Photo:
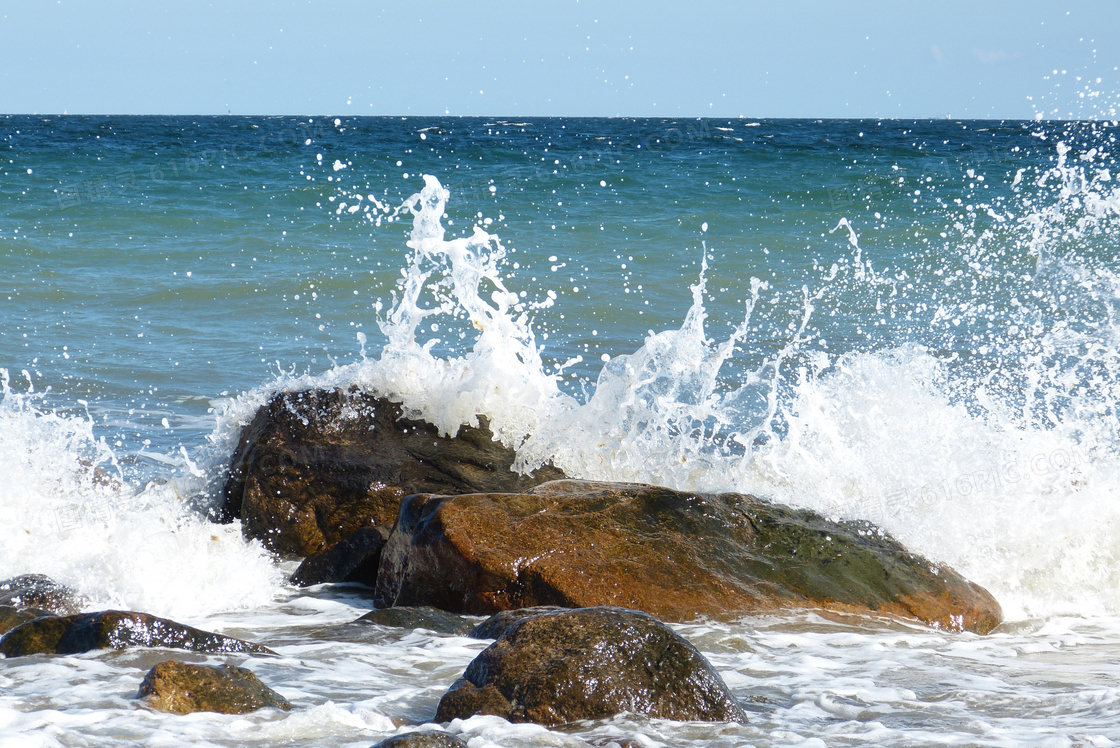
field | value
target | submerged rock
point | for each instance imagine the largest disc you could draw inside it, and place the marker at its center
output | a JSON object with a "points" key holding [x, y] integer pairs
{"points": [[315, 466], [115, 629], [423, 739], [560, 667], [355, 558], [676, 555], [182, 688], [433, 619], [39, 591]]}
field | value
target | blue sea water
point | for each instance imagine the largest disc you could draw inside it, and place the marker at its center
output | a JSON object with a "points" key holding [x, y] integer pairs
{"points": [[910, 322]]}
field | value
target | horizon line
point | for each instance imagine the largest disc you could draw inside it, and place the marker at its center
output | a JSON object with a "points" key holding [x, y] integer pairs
{"points": [[942, 118]]}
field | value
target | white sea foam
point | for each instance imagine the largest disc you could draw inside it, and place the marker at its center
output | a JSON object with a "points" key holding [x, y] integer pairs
{"points": [[67, 513], [802, 677], [500, 374]]}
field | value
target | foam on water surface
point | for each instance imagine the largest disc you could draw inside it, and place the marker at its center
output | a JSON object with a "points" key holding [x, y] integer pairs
{"points": [[803, 678]]}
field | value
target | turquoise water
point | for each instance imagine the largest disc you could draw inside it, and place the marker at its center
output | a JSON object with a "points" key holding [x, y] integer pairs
{"points": [[154, 263], [911, 322]]}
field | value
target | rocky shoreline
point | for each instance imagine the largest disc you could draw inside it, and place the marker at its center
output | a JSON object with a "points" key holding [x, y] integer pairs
{"points": [[576, 576]]}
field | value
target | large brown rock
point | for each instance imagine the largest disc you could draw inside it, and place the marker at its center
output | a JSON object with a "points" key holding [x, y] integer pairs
{"points": [[183, 688], [555, 668], [315, 466], [115, 629], [676, 555]]}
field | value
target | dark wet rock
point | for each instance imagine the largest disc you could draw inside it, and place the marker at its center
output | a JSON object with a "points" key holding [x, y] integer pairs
{"points": [[499, 623], [355, 558], [560, 667], [115, 629], [676, 555], [315, 466], [423, 739], [433, 619], [39, 591], [11, 616], [183, 688]]}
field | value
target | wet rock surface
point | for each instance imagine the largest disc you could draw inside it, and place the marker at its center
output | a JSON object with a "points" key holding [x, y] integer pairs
{"points": [[317, 465], [355, 559], [11, 616], [115, 629], [183, 688], [561, 667], [433, 619], [499, 623], [41, 592], [423, 739], [676, 555]]}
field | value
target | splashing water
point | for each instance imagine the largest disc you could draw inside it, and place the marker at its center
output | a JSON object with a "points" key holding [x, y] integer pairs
{"points": [[1001, 469], [67, 513], [502, 376]]}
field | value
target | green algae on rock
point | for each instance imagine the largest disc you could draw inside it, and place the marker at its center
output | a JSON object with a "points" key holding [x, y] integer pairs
{"points": [[11, 616]]}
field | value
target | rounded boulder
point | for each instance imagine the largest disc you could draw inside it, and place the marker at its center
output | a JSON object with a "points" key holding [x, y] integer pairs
{"points": [[183, 688], [592, 663]]}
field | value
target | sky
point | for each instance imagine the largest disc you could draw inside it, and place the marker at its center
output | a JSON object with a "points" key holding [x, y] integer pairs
{"points": [[796, 58]]}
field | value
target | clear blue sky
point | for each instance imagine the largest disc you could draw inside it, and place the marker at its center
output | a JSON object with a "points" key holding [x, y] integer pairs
{"points": [[864, 58]]}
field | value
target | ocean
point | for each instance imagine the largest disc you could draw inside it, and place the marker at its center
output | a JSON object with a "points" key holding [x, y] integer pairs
{"points": [[915, 323]]}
